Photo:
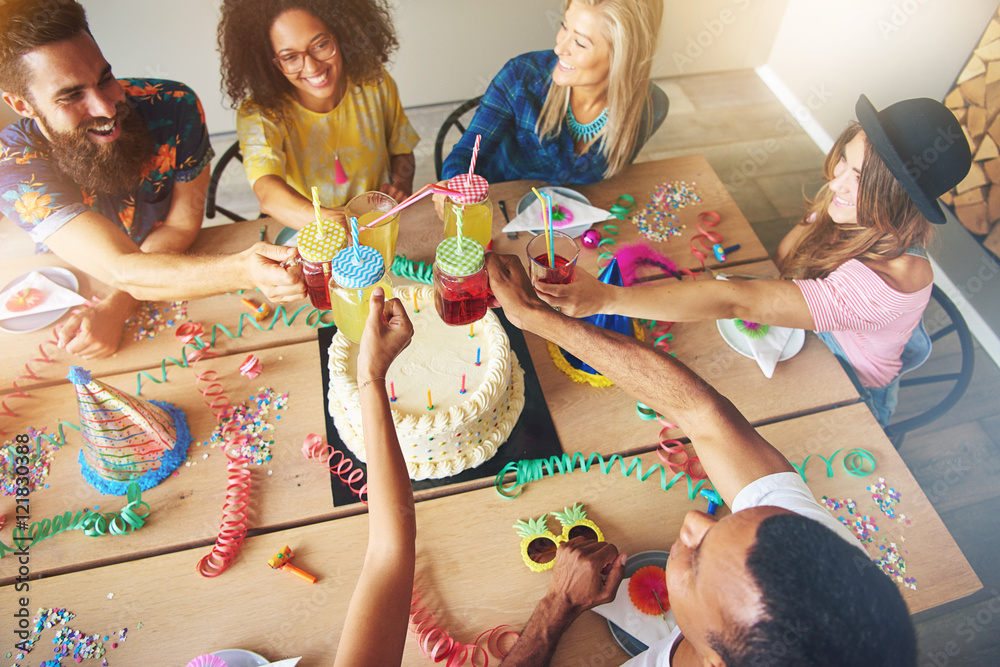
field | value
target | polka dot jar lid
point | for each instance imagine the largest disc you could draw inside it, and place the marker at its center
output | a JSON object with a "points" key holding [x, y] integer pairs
{"points": [[351, 272], [313, 248], [472, 190], [459, 261]]}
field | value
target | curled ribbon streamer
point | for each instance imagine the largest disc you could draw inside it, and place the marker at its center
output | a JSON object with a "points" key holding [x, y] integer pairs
{"points": [[706, 237], [668, 448], [234, 515], [132, 517], [530, 470], [420, 272], [236, 506], [435, 642], [316, 449], [191, 337], [29, 374]]}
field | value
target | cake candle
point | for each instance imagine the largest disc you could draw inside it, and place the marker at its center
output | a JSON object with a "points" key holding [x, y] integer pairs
{"points": [[472, 332], [478, 350], [415, 308], [462, 390], [392, 391], [430, 404]]}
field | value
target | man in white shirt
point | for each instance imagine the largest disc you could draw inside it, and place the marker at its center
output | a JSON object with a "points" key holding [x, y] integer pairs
{"points": [[778, 582]]}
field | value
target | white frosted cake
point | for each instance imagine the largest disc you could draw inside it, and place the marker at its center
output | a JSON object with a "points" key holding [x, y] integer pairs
{"points": [[463, 429]]}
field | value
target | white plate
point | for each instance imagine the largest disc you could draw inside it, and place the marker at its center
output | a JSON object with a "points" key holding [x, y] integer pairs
{"points": [[237, 657], [551, 189], [28, 323], [738, 341], [635, 562]]}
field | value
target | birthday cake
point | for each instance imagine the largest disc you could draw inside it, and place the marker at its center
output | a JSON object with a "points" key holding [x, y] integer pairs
{"points": [[449, 431]]}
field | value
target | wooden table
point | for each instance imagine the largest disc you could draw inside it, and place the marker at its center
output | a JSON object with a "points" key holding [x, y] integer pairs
{"points": [[469, 570], [809, 407]]}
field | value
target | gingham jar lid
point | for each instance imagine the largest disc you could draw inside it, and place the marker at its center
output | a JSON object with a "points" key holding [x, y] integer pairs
{"points": [[472, 191], [459, 262], [316, 249], [351, 273]]}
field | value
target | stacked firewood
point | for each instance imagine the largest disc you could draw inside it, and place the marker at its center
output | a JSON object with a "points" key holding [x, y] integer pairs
{"points": [[975, 100]]}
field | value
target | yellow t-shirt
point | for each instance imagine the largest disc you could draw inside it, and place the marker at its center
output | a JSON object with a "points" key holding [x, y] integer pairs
{"points": [[367, 127]]}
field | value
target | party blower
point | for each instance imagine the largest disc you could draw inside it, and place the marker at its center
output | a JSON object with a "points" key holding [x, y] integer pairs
{"points": [[283, 561]]}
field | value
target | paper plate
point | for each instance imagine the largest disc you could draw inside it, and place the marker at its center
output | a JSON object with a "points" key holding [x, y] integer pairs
{"points": [[286, 236], [27, 323], [738, 341], [635, 562], [551, 189], [237, 657]]}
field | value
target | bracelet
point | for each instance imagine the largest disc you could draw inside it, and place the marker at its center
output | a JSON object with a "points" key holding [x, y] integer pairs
{"points": [[360, 387]]}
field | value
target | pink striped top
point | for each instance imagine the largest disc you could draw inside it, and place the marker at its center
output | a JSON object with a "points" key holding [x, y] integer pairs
{"points": [[870, 320]]}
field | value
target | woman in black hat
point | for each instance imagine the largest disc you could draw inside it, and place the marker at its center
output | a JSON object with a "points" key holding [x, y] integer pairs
{"points": [[854, 269]]}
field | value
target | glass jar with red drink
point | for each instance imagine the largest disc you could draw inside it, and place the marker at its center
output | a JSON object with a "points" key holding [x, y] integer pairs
{"points": [[461, 284], [317, 243]]}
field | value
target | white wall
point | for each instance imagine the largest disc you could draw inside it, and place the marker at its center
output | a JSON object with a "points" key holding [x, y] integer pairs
{"points": [[830, 51], [716, 35], [449, 49]]}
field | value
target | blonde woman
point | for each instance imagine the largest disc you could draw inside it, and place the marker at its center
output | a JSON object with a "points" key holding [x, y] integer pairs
{"points": [[577, 114], [855, 270]]}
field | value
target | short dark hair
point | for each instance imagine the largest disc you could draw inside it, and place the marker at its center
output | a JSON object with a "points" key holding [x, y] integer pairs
{"points": [[824, 603], [28, 25], [363, 29]]}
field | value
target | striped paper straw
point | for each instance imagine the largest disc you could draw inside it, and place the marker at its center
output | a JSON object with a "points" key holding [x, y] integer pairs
{"points": [[458, 227], [354, 239], [548, 229], [475, 154]]}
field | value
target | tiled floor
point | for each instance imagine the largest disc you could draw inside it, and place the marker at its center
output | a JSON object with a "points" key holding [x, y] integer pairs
{"points": [[769, 164]]}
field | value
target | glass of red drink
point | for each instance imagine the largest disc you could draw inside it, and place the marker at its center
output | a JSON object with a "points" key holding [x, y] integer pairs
{"points": [[461, 284], [565, 253]]}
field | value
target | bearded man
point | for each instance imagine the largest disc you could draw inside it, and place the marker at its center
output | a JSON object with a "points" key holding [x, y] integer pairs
{"points": [[111, 175]]}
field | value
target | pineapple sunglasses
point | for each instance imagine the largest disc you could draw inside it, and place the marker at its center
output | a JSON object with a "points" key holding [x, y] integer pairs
{"points": [[539, 544]]}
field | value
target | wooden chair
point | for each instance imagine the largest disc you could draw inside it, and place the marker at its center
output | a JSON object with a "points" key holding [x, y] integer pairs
{"points": [[213, 184], [454, 119]]}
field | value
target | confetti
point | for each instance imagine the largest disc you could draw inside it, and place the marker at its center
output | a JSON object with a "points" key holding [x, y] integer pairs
{"points": [[39, 458], [252, 419], [658, 220], [152, 317]]}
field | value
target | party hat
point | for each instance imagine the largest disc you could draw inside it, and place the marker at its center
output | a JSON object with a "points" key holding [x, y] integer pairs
{"points": [[126, 439], [574, 367]]}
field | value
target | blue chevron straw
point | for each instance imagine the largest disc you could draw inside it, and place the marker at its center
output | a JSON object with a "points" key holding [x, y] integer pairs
{"points": [[458, 224], [354, 239]]}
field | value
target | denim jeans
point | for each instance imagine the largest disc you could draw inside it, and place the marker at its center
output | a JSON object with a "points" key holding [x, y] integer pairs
{"points": [[880, 400]]}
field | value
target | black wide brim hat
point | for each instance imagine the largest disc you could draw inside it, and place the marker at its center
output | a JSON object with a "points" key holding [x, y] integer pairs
{"points": [[922, 144]]}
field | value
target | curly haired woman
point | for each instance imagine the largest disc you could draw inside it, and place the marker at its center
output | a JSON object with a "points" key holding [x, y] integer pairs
{"points": [[313, 95]]}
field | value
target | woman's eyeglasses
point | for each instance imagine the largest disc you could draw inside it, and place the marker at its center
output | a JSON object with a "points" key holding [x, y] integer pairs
{"points": [[539, 544], [293, 62]]}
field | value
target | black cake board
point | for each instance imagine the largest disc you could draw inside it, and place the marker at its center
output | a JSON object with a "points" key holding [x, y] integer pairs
{"points": [[533, 436]]}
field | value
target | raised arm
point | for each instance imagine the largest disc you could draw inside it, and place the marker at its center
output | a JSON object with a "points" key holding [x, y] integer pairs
{"points": [[381, 599], [95, 245], [731, 451], [776, 302]]}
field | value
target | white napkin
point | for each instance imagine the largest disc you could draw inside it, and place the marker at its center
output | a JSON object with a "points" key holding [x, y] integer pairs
{"points": [[53, 297], [645, 628], [584, 215], [767, 350]]}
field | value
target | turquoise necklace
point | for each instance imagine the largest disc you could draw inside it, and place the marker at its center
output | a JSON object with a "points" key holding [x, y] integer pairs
{"points": [[586, 132]]}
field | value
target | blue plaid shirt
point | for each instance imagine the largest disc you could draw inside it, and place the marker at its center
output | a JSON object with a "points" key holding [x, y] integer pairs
{"points": [[510, 149]]}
